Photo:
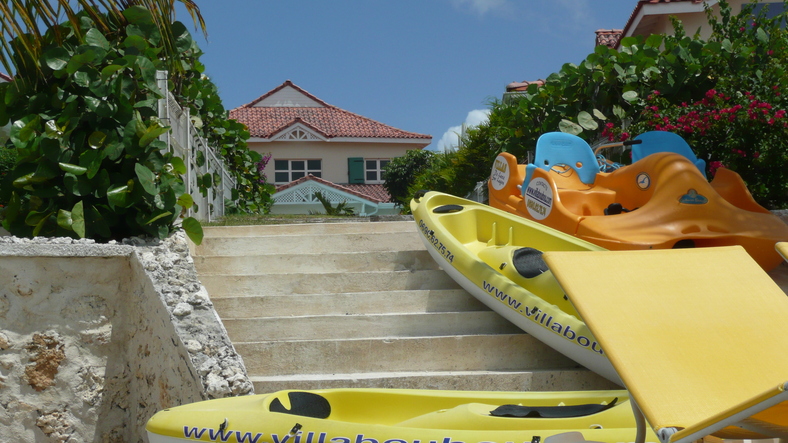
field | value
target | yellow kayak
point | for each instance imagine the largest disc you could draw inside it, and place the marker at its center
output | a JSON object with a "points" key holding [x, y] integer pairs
{"points": [[402, 416], [496, 257]]}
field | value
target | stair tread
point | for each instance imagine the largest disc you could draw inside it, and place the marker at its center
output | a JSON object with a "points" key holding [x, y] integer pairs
{"points": [[368, 375]]}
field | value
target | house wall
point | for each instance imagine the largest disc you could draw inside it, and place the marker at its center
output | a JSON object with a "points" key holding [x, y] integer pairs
{"points": [[694, 21], [333, 154]]}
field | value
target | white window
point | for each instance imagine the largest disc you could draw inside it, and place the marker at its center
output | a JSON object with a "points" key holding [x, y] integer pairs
{"points": [[373, 170], [286, 171]]}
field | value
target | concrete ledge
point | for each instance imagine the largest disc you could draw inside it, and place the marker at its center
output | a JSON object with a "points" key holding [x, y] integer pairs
{"points": [[96, 338]]}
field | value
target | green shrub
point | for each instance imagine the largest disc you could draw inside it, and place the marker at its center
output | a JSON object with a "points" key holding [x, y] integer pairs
{"points": [[85, 131], [401, 173]]}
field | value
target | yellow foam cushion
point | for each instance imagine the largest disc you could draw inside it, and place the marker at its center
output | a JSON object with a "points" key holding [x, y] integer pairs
{"points": [[691, 332]]}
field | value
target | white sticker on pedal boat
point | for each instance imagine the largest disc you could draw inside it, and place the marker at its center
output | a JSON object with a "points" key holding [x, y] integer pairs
{"points": [[500, 173], [539, 198]]}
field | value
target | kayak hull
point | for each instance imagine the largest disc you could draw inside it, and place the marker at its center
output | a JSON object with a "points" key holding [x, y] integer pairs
{"points": [[477, 246], [400, 416]]}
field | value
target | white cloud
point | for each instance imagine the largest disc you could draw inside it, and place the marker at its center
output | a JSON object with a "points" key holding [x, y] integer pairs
{"points": [[482, 6], [576, 11], [451, 138]]}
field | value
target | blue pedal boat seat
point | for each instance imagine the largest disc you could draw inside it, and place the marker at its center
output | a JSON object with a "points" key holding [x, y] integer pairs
{"points": [[663, 141], [563, 149]]}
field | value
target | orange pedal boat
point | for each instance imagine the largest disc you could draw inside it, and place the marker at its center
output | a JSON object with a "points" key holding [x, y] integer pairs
{"points": [[661, 201]]}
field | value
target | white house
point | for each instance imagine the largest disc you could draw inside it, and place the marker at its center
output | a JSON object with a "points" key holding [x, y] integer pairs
{"points": [[315, 146]]}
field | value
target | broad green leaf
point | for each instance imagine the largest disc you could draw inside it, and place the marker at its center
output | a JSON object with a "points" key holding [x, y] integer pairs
{"points": [[654, 40], [40, 225], [630, 96], [135, 41], [57, 58], [598, 114], [186, 201], [96, 139], [78, 219], [33, 218], [119, 196], [81, 78], [152, 133], [91, 159], [138, 15], [94, 37], [51, 129], [147, 178], [587, 121], [64, 220], [619, 112], [183, 39], [207, 180], [570, 127], [23, 130], [193, 229], [84, 56], [762, 36], [178, 165], [108, 71], [73, 169]]}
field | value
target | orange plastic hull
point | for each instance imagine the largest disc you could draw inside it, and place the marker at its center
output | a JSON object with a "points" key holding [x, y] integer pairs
{"points": [[670, 202]]}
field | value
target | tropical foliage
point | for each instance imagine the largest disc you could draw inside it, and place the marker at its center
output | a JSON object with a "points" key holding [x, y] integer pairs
{"points": [[83, 103], [85, 130], [342, 208], [611, 94], [401, 173]]}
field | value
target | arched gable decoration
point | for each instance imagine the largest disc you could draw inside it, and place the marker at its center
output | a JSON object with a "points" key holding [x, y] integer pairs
{"points": [[299, 197]]}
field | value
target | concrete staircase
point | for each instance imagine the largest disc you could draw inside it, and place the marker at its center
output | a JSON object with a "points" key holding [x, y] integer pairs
{"points": [[362, 304]]}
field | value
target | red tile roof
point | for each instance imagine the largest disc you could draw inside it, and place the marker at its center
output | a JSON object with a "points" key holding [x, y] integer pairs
{"points": [[608, 37], [327, 120], [5, 77], [372, 193], [522, 86]]}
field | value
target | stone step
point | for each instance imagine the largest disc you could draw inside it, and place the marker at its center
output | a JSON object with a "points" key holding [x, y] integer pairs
{"points": [[431, 300], [517, 381], [310, 228], [481, 352], [313, 263], [309, 243], [368, 326], [298, 283]]}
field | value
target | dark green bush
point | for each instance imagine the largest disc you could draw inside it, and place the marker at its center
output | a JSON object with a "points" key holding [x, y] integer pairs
{"points": [[85, 131]]}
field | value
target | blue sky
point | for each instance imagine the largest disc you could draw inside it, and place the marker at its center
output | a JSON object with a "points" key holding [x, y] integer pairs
{"points": [[419, 65]]}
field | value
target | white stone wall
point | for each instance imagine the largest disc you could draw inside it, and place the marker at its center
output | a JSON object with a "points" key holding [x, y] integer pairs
{"points": [[94, 339]]}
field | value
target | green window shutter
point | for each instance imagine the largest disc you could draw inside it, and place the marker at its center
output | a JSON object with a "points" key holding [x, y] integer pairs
{"points": [[355, 170]]}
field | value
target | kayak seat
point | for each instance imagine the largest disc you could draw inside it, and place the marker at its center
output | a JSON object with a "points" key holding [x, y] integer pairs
{"points": [[447, 209], [528, 262], [520, 411], [306, 404]]}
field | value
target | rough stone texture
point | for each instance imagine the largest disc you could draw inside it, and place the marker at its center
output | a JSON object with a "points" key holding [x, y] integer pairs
{"points": [[94, 339]]}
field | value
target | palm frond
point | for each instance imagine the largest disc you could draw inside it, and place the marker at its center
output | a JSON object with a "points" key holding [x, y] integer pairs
{"points": [[24, 23]]}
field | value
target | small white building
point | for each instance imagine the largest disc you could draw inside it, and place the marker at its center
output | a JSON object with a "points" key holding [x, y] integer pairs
{"points": [[315, 146]]}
